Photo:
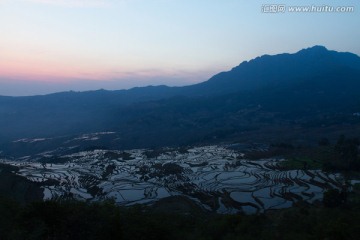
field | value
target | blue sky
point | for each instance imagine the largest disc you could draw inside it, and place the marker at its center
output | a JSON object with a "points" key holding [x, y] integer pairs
{"points": [[58, 45]]}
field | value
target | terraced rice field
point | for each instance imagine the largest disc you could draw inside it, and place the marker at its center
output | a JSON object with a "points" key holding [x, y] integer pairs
{"points": [[214, 177]]}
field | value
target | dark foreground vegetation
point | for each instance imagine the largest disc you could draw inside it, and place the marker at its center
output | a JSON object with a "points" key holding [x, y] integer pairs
{"points": [[80, 220], [343, 155]]}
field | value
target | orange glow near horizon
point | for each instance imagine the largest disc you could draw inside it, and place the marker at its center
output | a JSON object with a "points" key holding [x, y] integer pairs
{"points": [[45, 72], [40, 71], [135, 43], [28, 65]]}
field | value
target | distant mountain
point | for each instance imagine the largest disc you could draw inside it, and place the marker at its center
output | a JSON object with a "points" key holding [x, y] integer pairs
{"points": [[278, 70], [301, 96], [264, 71]]}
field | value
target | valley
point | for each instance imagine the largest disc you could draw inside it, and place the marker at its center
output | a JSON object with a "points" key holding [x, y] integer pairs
{"points": [[145, 145]]}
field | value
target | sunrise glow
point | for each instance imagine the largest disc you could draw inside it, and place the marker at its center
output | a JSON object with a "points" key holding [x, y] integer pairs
{"points": [[140, 42]]}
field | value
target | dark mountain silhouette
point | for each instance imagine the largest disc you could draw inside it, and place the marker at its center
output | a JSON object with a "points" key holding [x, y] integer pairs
{"points": [[279, 70], [300, 96]]}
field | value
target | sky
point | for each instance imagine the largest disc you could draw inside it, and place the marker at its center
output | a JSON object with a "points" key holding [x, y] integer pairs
{"points": [[61, 45]]}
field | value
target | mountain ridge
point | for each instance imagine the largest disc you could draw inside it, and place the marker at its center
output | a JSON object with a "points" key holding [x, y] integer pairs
{"points": [[264, 69], [305, 95], [166, 91]]}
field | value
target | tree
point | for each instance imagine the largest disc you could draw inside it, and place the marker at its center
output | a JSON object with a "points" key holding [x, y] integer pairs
{"points": [[346, 155]]}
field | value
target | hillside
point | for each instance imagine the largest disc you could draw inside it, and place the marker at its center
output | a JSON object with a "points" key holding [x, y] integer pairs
{"points": [[298, 97]]}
